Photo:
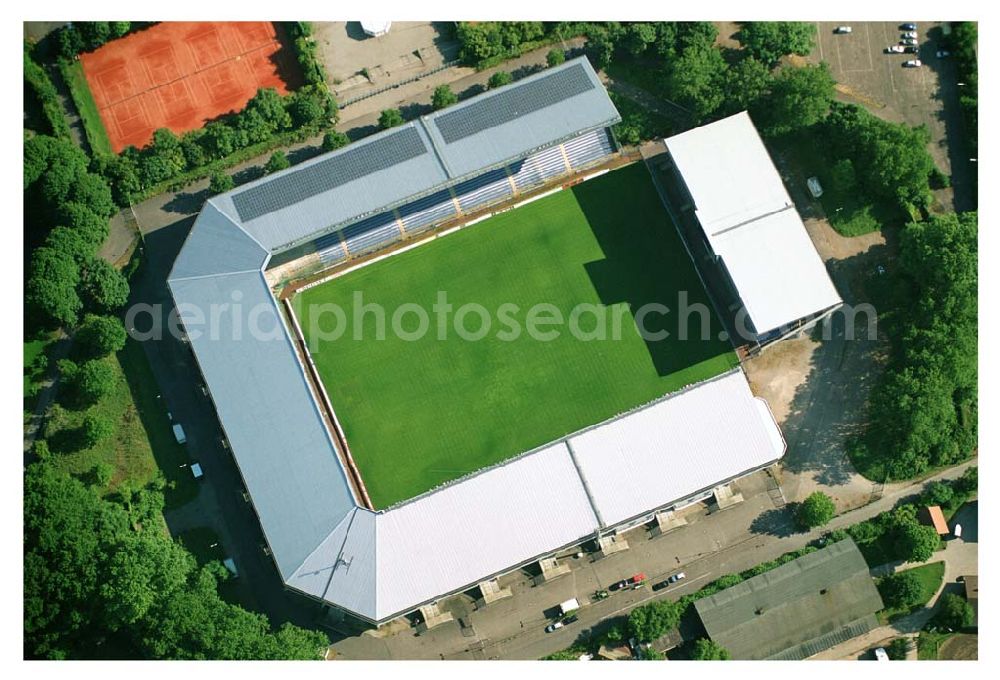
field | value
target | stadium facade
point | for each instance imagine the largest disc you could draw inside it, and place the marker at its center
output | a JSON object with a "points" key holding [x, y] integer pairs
{"points": [[327, 543]]}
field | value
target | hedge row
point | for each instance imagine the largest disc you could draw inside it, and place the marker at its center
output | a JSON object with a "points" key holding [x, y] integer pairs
{"points": [[86, 36], [268, 121], [305, 52], [41, 85]]}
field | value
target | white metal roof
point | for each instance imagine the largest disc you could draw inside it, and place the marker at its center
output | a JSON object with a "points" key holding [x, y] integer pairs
{"points": [[751, 223], [382, 564], [677, 447]]}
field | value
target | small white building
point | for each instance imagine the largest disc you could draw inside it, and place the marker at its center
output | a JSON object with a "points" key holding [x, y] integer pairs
{"points": [[376, 29]]}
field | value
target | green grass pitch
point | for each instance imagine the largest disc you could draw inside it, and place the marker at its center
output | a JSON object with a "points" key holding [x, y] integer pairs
{"points": [[418, 413]]}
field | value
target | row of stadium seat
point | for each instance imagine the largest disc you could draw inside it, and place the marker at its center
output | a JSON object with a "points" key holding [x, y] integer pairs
{"points": [[383, 229]]}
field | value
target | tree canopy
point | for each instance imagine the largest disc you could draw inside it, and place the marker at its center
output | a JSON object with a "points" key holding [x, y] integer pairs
{"points": [[815, 511], [769, 41], [390, 118], [705, 649], [900, 590], [649, 621], [443, 97], [101, 582], [954, 612]]}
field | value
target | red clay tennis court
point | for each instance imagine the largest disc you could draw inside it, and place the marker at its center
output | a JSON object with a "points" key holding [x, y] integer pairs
{"points": [[180, 75]]}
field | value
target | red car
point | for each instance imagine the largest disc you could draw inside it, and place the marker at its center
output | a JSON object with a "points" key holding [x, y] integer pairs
{"points": [[631, 582]]}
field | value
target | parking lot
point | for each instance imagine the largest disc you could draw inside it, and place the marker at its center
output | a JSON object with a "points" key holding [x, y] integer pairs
{"points": [[927, 95]]}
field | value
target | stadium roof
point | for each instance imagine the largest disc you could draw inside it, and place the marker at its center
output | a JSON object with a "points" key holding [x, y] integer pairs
{"points": [[465, 532], [389, 168], [381, 564], [751, 223], [796, 610]]}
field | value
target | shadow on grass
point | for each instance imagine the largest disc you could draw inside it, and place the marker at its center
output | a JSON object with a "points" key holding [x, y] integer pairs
{"points": [[169, 455], [646, 264]]}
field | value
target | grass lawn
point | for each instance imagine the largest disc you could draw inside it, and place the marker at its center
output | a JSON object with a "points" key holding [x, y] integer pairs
{"points": [[76, 81], [142, 444], [418, 413], [930, 576], [32, 350]]}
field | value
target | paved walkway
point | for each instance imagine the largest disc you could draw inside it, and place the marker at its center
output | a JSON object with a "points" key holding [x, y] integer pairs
{"points": [[47, 392]]}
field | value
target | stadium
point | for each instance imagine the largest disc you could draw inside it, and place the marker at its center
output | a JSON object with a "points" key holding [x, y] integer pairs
{"points": [[387, 475]]}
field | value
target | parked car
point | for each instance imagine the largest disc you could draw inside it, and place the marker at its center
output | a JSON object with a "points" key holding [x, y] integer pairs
{"points": [[179, 433], [894, 49], [841, 30], [601, 594], [881, 654], [570, 605], [197, 471], [941, 54], [669, 581], [912, 63], [907, 27], [631, 581], [911, 49], [556, 625], [910, 34], [230, 565], [908, 41], [815, 188]]}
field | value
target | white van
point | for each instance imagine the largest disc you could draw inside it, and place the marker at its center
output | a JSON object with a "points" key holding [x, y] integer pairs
{"points": [[179, 433], [569, 606]]}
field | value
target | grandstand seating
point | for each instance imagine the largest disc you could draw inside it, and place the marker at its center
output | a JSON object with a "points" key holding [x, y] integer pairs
{"points": [[489, 188], [330, 249], [539, 167], [382, 229], [427, 211], [588, 148], [371, 233]]}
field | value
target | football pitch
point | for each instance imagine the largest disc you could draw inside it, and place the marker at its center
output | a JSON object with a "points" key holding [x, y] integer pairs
{"points": [[422, 409]]}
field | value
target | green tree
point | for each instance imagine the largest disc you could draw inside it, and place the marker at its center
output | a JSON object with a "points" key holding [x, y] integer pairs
{"points": [[600, 47], [443, 97], [697, 80], [916, 542], [900, 590], [276, 163], [771, 40], [650, 654], [103, 473], [746, 83], [99, 336], [306, 110], [639, 36], [650, 621], [333, 140], [555, 57], [499, 79], [104, 289], [50, 293], [815, 511], [968, 483], [937, 493], [799, 97], [700, 34], [92, 381], [269, 105], [220, 182], [709, 650], [95, 429], [954, 612], [897, 649], [390, 118]]}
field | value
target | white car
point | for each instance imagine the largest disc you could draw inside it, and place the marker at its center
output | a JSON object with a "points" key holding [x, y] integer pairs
{"points": [[815, 188], [910, 34], [881, 654], [912, 63], [894, 49], [842, 29], [908, 41]]}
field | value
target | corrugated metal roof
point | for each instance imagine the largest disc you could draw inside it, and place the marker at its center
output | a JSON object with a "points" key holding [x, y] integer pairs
{"points": [[265, 406], [483, 525], [501, 125], [392, 167], [676, 447], [791, 608], [751, 223], [215, 244]]}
